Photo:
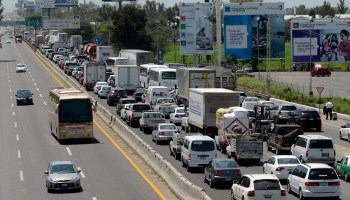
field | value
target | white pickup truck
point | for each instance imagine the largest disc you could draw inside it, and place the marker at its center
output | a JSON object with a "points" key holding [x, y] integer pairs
{"points": [[149, 120], [133, 114], [165, 106]]}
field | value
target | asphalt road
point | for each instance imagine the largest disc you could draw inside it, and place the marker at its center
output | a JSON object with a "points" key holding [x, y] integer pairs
{"points": [[26, 146], [330, 129]]}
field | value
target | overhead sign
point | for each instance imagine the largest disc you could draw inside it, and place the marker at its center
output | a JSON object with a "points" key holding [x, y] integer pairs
{"points": [[29, 4], [12, 23], [33, 22], [329, 40], [47, 4], [66, 3], [61, 23], [245, 30], [196, 28]]}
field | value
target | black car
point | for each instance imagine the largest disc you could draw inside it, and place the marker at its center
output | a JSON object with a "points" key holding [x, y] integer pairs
{"points": [[121, 103], [24, 97], [138, 94], [308, 119], [115, 95], [222, 171]]}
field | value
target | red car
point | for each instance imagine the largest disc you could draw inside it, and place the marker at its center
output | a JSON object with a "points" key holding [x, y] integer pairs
{"points": [[320, 72]]}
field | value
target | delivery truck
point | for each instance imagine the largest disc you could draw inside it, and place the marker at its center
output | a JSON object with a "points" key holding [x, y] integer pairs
{"points": [[127, 77], [137, 56], [203, 104], [93, 72], [103, 53]]}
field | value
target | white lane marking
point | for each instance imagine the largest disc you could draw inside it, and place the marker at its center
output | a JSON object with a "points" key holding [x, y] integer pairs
{"points": [[35, 84], [21, 175], [68, 150], [17, 137], [9, 81], [32, 79], [15, 124], [8, 77], [330, 124], [45, 103], [41, 95], [29, 72], [81, 173], [94, 198], [19, 153], [30, 76], [12, 104], [37, 89], [11, 97], [10, 85], [13, 113], [10, 90]]}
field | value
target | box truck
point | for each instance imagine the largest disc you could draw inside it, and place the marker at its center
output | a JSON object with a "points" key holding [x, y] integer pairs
{"points": [[93, 72], [103, 53], [127, 77], [137, 57]]}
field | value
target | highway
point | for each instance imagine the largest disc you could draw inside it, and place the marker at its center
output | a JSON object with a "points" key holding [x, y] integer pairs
{"points": [[100, 162], [27, 147]]}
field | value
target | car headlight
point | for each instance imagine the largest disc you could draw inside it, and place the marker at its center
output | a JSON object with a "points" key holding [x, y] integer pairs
{"points": [[30, 97], [51, 179], [76, 178]]}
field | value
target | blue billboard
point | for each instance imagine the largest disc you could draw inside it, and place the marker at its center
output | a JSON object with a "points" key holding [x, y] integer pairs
{"points": [[250, 27]]}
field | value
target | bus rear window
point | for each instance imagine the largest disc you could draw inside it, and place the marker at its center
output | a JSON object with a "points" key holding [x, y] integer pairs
{"points": [[75, 111]]}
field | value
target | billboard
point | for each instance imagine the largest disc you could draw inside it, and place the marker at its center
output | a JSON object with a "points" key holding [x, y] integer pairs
{"points": [[196, 28], [66, 3], [47, 4], [329, 39], [245, 29], [61, 23]]}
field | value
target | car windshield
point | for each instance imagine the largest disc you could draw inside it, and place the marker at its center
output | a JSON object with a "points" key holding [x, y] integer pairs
{"points": [[251, 99], [288, 108], [310, 114], [222, 164], [24, 93], [180, 110], [286, 130], [20, 65], [321, 144], [167, 127], [203, 146], [266, 184], [152, 115], [128, 101], [321, 174], [75, 110], [141, 107], [284, 161], [62, 169]]}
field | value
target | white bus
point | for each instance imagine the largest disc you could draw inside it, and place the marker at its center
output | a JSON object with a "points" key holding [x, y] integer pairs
{"points": [[70, 114], [144, 73], [162, 77]]}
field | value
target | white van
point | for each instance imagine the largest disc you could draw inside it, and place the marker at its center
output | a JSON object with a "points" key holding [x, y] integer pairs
{"points": [[155, 92], [197, 151]]}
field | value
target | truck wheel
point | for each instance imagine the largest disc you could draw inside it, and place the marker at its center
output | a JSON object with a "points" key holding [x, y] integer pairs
{"points": [[187, 129], [177, 156]]}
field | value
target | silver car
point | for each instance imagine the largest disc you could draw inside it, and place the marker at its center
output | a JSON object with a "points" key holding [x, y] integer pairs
{"points": [[104, 91], [62, 175], [176, 116], [163, 132], [21, 67], [98, 86]]}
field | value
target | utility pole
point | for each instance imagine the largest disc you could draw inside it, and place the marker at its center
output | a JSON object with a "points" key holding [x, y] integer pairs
{"points": [[268, 48]]}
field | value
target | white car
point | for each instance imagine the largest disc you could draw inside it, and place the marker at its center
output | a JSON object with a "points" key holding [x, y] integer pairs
{"points": [[249, 102], [280, 165], [258, 186], [104, 91], [56, 58], [176, 116], [21, 67], [314, 180], [98, 86], [123, 111], [344, 133]]}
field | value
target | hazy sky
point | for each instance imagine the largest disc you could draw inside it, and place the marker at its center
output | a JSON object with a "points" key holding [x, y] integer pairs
{"points": [[10, 4]]}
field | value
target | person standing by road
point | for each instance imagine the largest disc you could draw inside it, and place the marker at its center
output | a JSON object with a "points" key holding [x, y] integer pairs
{"points": [[329, 108]]}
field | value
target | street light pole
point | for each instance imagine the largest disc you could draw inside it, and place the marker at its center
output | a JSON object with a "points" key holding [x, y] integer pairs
{"points": [[310, 65], [258, 42]]}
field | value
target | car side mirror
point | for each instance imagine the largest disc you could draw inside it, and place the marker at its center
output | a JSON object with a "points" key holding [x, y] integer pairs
{"points": [[338, 162], [342, 126], [79, 170], [289, 172], [15, 94], [46, 172], [265, 161]]}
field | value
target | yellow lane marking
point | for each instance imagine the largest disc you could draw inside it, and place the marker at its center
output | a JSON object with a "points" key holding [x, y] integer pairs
{"points": [[131, 161], [155, 189]]}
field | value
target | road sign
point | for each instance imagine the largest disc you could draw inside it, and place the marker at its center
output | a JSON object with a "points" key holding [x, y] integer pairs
{"points": [[99, 40], [47, 4], [230, 127], [66, 3], [160, 57], [61, 23], [319, 89], [12, 23], [33, 22]]}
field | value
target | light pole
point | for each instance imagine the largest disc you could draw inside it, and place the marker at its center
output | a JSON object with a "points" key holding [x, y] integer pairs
{"points": [[310, 65], [258, 43]]}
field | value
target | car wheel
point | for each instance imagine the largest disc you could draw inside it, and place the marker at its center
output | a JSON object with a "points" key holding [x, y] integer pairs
{"points": [[156, 141], [340, 137], [319, 129], [211, 183], [289, 190], [232, 196], [301, 159], [188, 168], [130, 123], [264, 170], [301, 197], [205, 178], [346, 177]]}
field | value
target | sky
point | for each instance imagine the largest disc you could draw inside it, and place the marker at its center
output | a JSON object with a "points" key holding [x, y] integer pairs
{"points": [[9, 5]]}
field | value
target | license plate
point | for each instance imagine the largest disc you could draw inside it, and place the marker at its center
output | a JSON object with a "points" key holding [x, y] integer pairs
{"points": [[267, 196], [325, 154], [228, 179], [323, 184], [64, 185], [311, 119], [203, 157]]}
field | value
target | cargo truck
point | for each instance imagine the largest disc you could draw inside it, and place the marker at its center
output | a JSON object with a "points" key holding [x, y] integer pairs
{"points": [[93, 72], [103, 53], [203, 104], [137, 57], [75, 41], [127, 77]]}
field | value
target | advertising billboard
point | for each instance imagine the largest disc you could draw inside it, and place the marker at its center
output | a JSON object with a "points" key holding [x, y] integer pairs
{"points": [[47, 4], [196, 28], [329, 39], [66, 3], [245, 30]]}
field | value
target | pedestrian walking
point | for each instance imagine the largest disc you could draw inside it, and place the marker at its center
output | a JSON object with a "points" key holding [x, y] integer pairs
{"points": [[329, 108]]}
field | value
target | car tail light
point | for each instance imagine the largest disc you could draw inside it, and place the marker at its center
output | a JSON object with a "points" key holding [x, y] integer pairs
{"points": [[217, 172], [307, 153], [279, 169], [302, 119], [251, 193], [177, 116], [334, 183], [189, 157], [281, 140], [318, 118], [125, 95], [226, 143], [312, 183], [132, 114], [283, 193], [210, 133], [237, 172], [161, 133]]}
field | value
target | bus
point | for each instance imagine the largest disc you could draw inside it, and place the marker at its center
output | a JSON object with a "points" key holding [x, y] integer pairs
{"points": [[144, 73], [70, 114], [162, 77]]}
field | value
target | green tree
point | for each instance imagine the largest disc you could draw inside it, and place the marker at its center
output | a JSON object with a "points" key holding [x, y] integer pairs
{"points": [[129, 28], [325, 10], [1, 10], [105, 30], [105, 12], [341, 7], [85, 31]]}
